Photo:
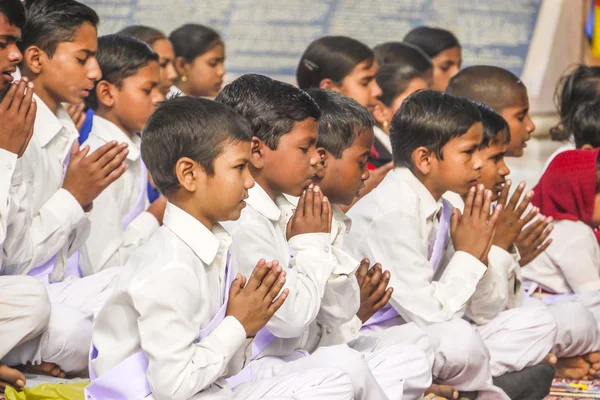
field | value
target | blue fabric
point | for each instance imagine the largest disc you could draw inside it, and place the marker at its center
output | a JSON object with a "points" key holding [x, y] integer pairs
{"points": [[85, 130], [153, 194]]}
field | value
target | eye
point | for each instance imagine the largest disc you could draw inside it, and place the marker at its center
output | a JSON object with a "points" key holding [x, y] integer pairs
{"points": [[3, 45], [304, 149], [241, 167], [521, 119], [82, 61]]}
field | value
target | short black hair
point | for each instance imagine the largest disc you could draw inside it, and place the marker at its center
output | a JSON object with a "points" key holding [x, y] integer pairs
{"points": [[331, 57], [431, 40], [51, 22], [188, 127], [393, 79], [431, 119], [495, 128], [14, 12], [144, 33], [585, 124], [342, 120], [580, 85], [493, 86], [192, 40], [403, 54], [119, 57], [271, 107]]}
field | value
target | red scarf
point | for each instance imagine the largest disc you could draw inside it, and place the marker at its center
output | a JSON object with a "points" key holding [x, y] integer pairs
{"points": [[567, 190]]}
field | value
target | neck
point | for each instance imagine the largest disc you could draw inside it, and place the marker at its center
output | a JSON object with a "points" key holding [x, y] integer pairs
{"points": [[433, 188], [43, 93], [184, 87], [260, 179], [109, 116], [187, 202], [385, 130]]}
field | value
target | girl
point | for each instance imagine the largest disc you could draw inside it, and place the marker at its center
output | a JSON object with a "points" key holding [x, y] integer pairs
{"points": [[405, 54], [199, 60], [444, 50], [397, 82]]}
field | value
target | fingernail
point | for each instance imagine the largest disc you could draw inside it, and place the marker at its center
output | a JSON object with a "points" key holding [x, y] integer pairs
{"points": [[311, 185], [316, 189], [324, 199], [278, 269], [33, 100], [508, 181], [282, 280], [20, 383]]}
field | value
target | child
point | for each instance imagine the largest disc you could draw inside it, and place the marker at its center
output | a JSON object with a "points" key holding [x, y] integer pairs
{"points": [[397, 82], [284, 160], [435, 137], [444, 50], [405, 54], [197, 151], [586, 125], [122, 100], [199, 60], [347, 66]]}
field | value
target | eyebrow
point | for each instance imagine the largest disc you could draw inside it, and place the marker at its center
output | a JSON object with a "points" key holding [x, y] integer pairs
{"points": [[10, 38], [89, 53]]}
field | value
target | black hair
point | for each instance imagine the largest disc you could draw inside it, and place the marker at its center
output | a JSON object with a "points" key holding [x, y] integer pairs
{"points": [[119, 57], [192, 40], [580, 85], [585, 124], [495, 128], [431, 119], [271, 107], [493, 86], [431, 40], [404, 54], [14, 12], [144, 33], [393, 79], [342, 120], [188, 127], [331, 57], [51, 22]]}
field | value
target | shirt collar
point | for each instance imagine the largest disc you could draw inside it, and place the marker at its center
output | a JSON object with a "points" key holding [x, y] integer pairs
{"points": [[199, 238], [48, 125], [174, 91], [261, 202], [429, 207], [340, 216], [105, 130], [383, 137]]}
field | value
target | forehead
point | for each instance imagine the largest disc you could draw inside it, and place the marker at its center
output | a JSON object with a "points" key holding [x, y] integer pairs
{"points": [[217, 51], [473, 135], [7, 29], [85, 38], [234, 151], [365, 68], [451, 54], [303, 131], [362, 143], [149, 72], [163, 48], [518, 100], [496, 147]]}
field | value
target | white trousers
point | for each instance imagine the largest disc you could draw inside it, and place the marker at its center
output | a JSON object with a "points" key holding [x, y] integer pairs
{"points": [[24, 311], [66, 340], [518, 338]]}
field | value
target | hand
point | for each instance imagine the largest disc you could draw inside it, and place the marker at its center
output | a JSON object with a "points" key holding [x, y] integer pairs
{"points": [[313, 214], [254, 304], [510, 222], [473, 231], [157, 208], [373, 294], [87, 177], [77, 114], [531, 242], [12, 377], [17, 116]]}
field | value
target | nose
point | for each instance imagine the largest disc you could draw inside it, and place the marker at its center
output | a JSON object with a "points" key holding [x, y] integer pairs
{"points": [[248, 179], [477, 161], [530, 125], [376, 90], [504, 170], [15, 55], [221, 70], [366, 174], [171, 73], [94, 72], [157, 96]]}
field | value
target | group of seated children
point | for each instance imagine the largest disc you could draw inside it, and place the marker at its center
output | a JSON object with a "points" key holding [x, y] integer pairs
{"points": [[356, 237]]}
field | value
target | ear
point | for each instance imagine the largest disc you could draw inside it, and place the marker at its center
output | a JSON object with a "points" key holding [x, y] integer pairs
{"points": [[587, 147], [327, 84], [323, 156], [422, 159], [33, 58], [188, 174], [257, 150], [105, 93], [180, 65]]}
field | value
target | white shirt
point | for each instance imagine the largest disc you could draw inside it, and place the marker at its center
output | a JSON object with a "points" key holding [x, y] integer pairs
{"points": [[58, 225], [108, 244], [393, 225], [310, 261], [571, 264], [383, 137], [174, 91], [169, 290]]}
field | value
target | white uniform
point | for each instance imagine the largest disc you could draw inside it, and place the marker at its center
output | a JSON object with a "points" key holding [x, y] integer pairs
{"points": [[170, 290], [110, 245], [260, 233]]}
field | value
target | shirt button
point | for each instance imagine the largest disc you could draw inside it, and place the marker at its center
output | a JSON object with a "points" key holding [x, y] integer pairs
{"points": [[326, 248], [328, 331]]}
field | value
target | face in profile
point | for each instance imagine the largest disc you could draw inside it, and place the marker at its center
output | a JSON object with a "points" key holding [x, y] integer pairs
{"points": [[10, 56], [360, 84], [445, 65], [520, 124]]}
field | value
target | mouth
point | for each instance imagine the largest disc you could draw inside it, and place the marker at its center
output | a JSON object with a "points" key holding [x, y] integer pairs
{"points": [[8, 74]]}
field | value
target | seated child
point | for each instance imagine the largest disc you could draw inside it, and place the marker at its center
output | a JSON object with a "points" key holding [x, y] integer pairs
{"points": [[585, 122], [405, 54], [435, 138], [184, 343], [284, 161], [444, 50], [122, 100], [397, 82], [199, 61]]}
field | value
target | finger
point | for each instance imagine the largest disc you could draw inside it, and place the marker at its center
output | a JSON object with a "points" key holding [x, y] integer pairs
{"points": [[454, 220], [301, 205], [514, 199], [29, 124], [102, 150], [468, 210], [26, 101], [524, 203], [114, 163], [504, 193], [114, 175], [18, 98], [361, 272], [526, 233], [310, 198], [327, 213], [276, 287], [540, 229], [384, 299], [276, 305], [77, 153], [12, 376], [530, 216], [236, 286], [543, 236], [258, 274], [9, 97], [493, 221], [375, 279], [487, 205], [381, 287], [317, 202], [104, 162], [269, 280]]}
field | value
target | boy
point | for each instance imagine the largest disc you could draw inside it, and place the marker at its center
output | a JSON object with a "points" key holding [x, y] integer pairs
{"points": [[284, 122], [197, 150], [122, 101], [438, 261]]}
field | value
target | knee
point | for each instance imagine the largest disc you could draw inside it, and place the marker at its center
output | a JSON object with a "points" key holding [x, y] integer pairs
{"points": [[540, 320], [68, 339], [40, 308], [463, 345], [344, 358]]}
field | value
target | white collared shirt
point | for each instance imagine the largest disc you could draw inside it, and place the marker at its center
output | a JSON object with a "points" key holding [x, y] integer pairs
{"points": [[392, 225], [58, 225], [108, 244], [571, 264], [383, 137], [174, 91], [169, 290], [258, 234]]}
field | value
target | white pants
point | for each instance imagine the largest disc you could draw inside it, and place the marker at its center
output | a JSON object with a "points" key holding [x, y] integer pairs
{"points": [[24, 311], [518, 338], [339, 357], [66, 341]]}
